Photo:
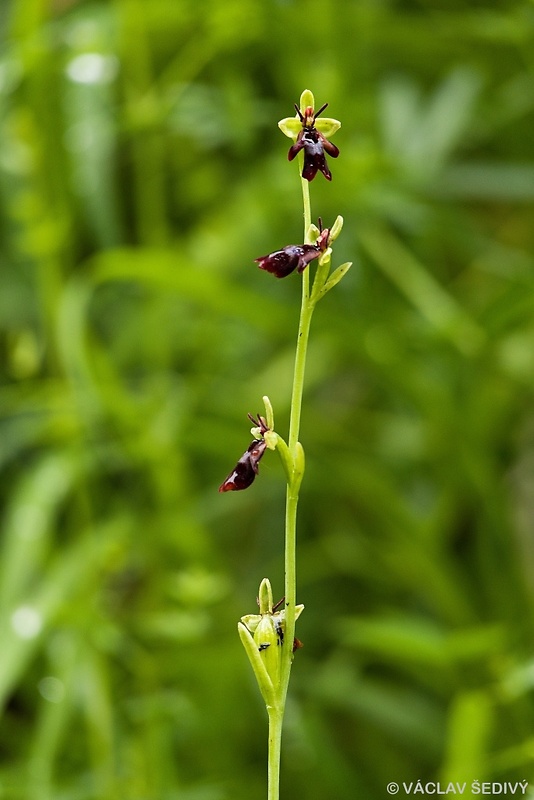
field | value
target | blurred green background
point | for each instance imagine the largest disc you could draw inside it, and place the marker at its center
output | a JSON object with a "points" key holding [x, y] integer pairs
{"points": [[141, 172]]}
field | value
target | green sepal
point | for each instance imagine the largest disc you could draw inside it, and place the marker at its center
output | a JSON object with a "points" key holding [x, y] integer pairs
{"points": [[336, 229], [269, 413], [327, 126], [313, 234], [306, 99], [258, 665], [251, 621], [290, 126], [268, 646], [265, 597]]}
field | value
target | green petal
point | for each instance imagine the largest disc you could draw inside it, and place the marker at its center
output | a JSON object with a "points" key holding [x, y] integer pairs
{"points": [[313, 234], [262, 676], [269, 413]]}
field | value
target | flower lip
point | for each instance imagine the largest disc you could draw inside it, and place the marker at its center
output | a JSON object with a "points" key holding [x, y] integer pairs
{"points": [[293, 257], [246, 469], [282, 263]]}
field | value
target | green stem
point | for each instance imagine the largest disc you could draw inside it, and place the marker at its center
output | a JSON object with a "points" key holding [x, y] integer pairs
{"points": [[306, 203], [276, 715], [292, 494], [306, 310]]}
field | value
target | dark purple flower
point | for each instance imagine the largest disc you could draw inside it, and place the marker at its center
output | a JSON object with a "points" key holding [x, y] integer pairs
{"points": [[314, 144], [246, 469], [293, 256]]}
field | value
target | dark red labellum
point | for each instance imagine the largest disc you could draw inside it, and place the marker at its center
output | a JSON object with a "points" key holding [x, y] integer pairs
{"points": [[246, 468], [293, 257], [314, 144]]}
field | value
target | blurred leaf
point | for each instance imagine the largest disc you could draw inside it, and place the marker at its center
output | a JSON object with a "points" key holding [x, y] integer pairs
{"points": [[423, 137], [438, 306], [469, 734]]}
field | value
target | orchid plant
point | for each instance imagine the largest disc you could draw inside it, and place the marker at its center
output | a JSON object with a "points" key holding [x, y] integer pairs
{"points": [[269, 636]]}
